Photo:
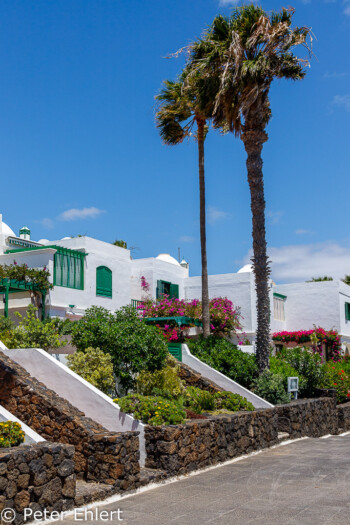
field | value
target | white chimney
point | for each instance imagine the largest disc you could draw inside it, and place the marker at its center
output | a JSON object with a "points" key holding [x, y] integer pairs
{"points": [[24, 233]]}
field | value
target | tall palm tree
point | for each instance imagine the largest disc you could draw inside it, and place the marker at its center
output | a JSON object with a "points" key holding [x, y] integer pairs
{"points": [[245, 53], [178, 112]]}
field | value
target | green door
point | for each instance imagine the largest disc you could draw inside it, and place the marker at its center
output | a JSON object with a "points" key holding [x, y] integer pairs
{"points": [[175, 349], [103, 281]]}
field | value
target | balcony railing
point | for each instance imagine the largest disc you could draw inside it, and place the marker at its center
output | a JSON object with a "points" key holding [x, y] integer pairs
{"points": [[135, 303]]}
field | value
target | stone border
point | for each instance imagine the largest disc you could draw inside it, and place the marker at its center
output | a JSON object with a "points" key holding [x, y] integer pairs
{"points": [[37, 477], [179, 449], [343, 417], [100, 455], [308, 417]]}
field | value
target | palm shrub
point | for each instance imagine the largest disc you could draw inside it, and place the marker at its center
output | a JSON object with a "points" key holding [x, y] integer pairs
{"points": [[94, 366]]}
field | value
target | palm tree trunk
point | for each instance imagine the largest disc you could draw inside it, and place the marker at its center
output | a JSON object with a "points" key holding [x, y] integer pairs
{"points": [[205, 291], [253, 139]]}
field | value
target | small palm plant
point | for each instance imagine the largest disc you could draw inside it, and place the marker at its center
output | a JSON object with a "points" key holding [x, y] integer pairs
{"points": [[244, 53]]}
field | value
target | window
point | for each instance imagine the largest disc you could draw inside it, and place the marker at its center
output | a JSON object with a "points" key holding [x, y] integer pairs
{"points": [[104, 281], [69, 268], [347, 311], [278, 307], [166, 288]]}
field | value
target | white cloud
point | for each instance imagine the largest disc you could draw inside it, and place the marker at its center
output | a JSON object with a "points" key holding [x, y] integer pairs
{"points": [[347, 7], [274, 216], [85, 213], [234, 2], [301, 231], [299, 263], [47, 223], [335, 74], [342, 100], [228, 2], [187, 238], [214, 214]]}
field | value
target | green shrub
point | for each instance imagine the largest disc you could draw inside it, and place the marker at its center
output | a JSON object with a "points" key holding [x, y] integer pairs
{"points": [[6, 324], [225, 357], [133, 345], [336, 376], [164, 382], [271, 387], [33, 333], [283, 368], [201, 400], [153, 410], [11, 434], [307, 364], [94, 366], [63, 326], [232, 402]]}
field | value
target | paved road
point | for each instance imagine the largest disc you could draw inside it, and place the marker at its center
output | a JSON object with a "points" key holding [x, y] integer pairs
{"points": [[303, 483]]}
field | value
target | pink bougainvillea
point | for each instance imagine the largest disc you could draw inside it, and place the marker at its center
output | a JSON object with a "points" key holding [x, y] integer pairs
{"points": [[330, 338], [224, 316], [144, 284]]}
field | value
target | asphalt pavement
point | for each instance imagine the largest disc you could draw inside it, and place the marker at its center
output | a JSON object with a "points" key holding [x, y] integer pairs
{"points": [[306, 482]]}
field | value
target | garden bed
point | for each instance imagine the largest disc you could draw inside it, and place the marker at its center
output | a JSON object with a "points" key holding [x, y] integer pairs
{"points": [[179, 449]]}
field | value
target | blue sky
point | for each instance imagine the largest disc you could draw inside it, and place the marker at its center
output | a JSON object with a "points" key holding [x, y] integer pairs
{"points": [[80, 153]]}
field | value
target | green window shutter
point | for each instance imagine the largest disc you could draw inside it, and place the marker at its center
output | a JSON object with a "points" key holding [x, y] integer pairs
{"points": [[104, 281], [159, 290], [68, 268], [174, 291], [347, 311]]}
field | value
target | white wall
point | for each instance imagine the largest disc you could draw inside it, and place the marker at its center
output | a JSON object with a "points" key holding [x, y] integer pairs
{"points": [[98, 254], [154, 269], [344, 297], [311, 303], [238, 287]]}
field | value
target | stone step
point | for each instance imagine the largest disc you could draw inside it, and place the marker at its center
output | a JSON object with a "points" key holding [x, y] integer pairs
{"points": [[150, 475], [89, 492], [282, 436]]}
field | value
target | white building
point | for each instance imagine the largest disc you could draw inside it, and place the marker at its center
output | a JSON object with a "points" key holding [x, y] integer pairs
{"points": [[88, 272]]}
